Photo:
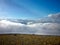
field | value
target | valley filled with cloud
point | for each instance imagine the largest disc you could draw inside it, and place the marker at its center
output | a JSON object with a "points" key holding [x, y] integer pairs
{"points": [[49, 25]]}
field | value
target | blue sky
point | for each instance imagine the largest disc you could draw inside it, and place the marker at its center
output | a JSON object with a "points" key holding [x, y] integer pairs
{"points": [[28, 9]]}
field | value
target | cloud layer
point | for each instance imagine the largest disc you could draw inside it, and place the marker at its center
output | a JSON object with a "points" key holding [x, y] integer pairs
{"points": [[40, 27]]}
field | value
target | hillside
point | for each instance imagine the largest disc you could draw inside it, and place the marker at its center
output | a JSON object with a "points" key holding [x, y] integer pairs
{"points": [[27, 39]]}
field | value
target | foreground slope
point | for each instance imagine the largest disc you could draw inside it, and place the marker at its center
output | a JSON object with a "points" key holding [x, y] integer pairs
{"points": [[27, 39]]}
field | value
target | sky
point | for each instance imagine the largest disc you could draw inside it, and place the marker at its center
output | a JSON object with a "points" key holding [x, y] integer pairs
{"points": [[46, 15], [28, 9]]}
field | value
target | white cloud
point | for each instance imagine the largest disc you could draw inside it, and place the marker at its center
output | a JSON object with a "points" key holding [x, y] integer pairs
{"points": [[57, 15], [31, 28]]}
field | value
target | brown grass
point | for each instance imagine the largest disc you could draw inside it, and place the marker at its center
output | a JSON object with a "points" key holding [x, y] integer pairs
{"points": [[26, 39]]}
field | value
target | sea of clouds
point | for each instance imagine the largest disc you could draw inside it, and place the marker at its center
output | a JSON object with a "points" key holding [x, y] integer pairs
{"points": [[49, 25]]}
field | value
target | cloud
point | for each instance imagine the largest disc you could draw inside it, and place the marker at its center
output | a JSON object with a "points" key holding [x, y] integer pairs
{"points": [[8, 26], [31, 26], [57, 15], [52, 18]]}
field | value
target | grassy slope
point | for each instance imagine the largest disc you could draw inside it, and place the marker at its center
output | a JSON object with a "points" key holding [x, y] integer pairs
{"points": [[26, 39]]}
